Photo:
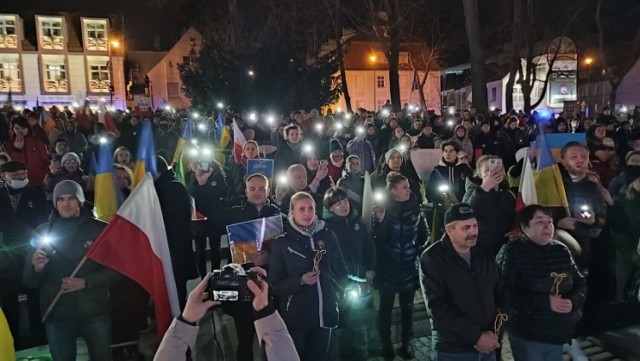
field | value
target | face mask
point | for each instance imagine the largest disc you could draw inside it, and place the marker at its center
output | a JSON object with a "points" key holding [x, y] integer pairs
{"points": [[18, 184]]}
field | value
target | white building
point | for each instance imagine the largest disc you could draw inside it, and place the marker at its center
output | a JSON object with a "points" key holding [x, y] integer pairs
{"points": [[60, 59]]}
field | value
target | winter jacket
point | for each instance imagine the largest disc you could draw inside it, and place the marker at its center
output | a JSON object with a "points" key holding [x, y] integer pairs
{"points": [[210, 197], [355, 241], [426, 142], [365, 152], [292, 255], [323, 184], [285, 157], [353, 184], [399, 240], [379, 179], [77, 141], [510, 140], [34, 154], [453, 174], [631, 173], [495, 212], [175, 205], [236, 174], [526, 281], [461, 299], [17, 226], [270, 328], [71, 238]]}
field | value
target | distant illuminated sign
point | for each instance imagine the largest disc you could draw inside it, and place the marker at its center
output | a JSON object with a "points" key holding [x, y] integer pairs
{"points": [[561, 91]]}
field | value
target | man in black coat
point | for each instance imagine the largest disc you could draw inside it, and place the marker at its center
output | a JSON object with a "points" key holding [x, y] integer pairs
{"points": [[459, 286], [175, 204], [22, 209], [297, 181]]}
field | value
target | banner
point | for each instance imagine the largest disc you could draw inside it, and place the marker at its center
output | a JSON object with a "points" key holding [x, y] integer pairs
{"points": [[261, 166], [247, 238], [424, 161]]}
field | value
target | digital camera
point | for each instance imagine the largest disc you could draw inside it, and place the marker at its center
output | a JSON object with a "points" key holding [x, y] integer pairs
{"points": [[230, 285]]}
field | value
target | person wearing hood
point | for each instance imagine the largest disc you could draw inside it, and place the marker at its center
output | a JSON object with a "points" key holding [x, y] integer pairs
{"points": [[77, 141], [560, 126], [67, 168], [36, 128], [489, 195], [129, 129], [393, 161], [238, 171], [307, 271], [336, 160], [175, 204], [364, 149], [510, 139], [26, 148], [631, 172], [400, 233], [359, 255], [83, 310], [23, 209], [288, 153], [460, 135]]}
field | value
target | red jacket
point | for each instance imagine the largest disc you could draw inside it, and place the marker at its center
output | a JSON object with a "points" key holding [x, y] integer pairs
{"points": [[34, 154], [335, 172]]}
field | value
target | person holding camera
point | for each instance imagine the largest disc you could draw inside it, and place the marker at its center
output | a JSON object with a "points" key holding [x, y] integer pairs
{"points": [[269, 326], [307, 271], [83, 309], [400, 232]]}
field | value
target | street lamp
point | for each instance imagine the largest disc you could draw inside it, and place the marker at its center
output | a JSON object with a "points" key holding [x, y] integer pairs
{"points": [[112, 44], [372, 59], [588, 61]]}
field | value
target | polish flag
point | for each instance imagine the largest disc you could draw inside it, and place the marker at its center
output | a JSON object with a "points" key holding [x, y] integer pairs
{"points": [[527, 193], [238, 142], [135, 244]]}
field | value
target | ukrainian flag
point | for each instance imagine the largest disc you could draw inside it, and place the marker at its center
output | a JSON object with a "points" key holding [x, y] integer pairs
{"points": [[183, 142], [225, 138], [7, 351], [106, 199], [219, 127], [548, 179], [146, 154]]}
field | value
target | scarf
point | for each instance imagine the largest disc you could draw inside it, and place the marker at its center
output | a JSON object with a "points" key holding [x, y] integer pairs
{"points": [[315, 226]]}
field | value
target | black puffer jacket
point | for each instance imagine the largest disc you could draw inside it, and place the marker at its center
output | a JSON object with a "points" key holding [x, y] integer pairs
{"points": [[461, 299], [453, 174], [526, 282], [399, 240], [356, 243], [495, 212], [307, 307]]}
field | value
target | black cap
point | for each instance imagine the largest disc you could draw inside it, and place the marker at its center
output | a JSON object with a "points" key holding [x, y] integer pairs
{"points": [[12, 166], [459, 212]]}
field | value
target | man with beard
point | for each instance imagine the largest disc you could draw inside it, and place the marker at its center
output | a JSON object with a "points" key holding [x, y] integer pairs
{"points": [[459, 285], [336, 160]]}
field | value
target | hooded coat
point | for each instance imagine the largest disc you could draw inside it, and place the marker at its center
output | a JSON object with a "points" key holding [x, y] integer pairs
{"points": [[77, 141]]}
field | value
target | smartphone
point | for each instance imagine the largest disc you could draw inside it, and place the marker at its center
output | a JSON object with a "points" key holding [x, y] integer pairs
{"points": [[324, 163], [57, 158], [205, 165], [493, 165]]}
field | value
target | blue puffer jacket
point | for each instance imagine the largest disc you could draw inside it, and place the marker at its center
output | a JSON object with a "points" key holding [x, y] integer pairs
{"points": [[399, 240]]}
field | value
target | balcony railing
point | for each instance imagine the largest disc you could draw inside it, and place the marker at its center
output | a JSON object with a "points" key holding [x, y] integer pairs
{"points": [[16, 85], [9, 41], [96, 44], [52, 42], [55, 86], [99, 86]]}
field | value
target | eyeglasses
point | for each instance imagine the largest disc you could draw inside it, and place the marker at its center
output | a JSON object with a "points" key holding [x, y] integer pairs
{"points": [[70, 161]]}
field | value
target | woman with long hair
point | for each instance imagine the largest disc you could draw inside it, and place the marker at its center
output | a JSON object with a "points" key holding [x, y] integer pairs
{"points": [[24, 147], [307, 272], [238, 172], [400, 233], [122, 156]]}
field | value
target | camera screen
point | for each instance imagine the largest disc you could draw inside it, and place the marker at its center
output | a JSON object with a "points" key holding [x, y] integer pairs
{"points": [[225, 295]]}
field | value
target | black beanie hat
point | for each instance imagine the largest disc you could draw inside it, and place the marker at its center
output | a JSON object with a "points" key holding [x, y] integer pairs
{"points": [[334, 144]]}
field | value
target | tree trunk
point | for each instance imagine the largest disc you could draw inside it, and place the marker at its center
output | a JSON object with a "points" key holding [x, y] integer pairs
{"points": [[476, 52], [423, 101], [340, 54], [613, 94], [394, 60], [516, 35]]}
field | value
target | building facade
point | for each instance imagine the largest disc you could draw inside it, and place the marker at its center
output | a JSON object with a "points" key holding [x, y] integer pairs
{"points": [[60, 59], [367, 73]]}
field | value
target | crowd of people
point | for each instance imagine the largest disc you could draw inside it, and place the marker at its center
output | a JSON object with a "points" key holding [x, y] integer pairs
{"points": [[479, 259]]}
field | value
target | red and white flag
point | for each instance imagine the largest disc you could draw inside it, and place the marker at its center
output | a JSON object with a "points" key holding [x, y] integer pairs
{"points": [[527, 193], [238, 142], [135, 244]]}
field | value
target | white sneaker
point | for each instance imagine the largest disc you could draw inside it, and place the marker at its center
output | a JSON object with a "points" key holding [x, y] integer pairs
{"points": [[575, 351]]}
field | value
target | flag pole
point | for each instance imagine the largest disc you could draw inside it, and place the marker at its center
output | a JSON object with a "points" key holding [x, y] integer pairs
{"points": [[55, 300]]}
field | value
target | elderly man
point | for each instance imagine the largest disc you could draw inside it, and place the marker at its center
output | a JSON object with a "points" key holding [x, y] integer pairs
{"points": [[83, 309], [459, 286]]}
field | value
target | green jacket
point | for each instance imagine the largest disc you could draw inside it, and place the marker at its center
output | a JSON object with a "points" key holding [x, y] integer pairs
{"points": [[70, 240]]}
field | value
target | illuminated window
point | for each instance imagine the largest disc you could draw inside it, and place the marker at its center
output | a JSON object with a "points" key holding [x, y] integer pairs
{"points": [[7, 27], [8, 34], [99, 79], [54, 74], [95, 35], [51, 34], [10, 75]]}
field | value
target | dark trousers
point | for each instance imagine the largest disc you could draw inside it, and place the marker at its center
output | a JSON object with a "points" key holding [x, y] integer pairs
{"points": [[387, 296], [311, 344], [201, 255], [9, 293], [96, 333], [245, 332]]}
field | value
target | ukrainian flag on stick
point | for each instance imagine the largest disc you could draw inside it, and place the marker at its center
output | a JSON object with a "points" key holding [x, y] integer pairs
{"points": [[146, 154], [183, 142], [548, 179], [7, 351], [106, 199]]}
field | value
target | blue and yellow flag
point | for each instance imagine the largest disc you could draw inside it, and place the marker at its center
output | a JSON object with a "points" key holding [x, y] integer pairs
{"points": [[7, 352], [106, 199], [225, 138], [219, 127], [183, 142], [146, 154], [550, 190]]}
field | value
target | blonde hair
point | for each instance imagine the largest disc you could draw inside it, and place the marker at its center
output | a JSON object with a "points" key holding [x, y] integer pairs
{"points": [[481, 161], [298, 196]]}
